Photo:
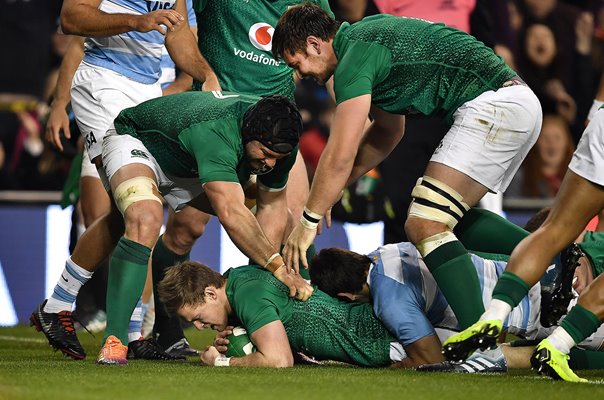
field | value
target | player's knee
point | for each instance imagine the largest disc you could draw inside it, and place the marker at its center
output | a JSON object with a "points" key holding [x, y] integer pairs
{"points": [[146, 219], [180, 237]]}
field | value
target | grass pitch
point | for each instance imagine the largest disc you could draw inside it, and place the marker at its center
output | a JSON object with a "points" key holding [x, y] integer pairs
{"points": [[30, 370]]}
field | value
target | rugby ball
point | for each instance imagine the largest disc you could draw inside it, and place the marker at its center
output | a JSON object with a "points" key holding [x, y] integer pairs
{"points": [[239, 343]]}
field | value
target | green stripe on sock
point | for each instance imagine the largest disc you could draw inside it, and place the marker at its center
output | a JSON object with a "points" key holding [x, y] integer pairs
{"points": [[510, 288], [127, 274], [580, 323], [457, 278]]}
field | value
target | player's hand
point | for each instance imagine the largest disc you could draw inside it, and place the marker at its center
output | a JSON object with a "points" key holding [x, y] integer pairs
{"points": [[298, 242], [211, 83], [326, 220], [58, 121], [158, 20], [298, 287], [220, 341], [208, 356]]}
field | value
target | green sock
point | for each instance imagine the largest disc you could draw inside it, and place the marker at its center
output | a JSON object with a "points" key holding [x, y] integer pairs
{"points": [[457, 278], [580, 323], [127, 273], [483, 230], [166, 329], [586, 359], [510, 288]]}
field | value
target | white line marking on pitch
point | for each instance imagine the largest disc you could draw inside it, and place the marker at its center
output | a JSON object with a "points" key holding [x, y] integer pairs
{"points": [[20, 339]]}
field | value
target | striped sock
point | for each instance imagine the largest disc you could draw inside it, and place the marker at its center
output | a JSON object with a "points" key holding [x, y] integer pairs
{"points": [[136, 322], [67, 288]]}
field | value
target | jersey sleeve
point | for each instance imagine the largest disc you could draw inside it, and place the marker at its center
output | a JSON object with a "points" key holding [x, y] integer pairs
{"points": [[397, 307], [362, 66], [324, 4], [191, 14], [257, 304], [276, 180], [215, 154]]}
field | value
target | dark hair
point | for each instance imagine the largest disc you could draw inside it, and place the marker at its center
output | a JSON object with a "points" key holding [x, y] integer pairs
{"points": [[336, 271], [275, 122], [184, 285], [297, 24]]}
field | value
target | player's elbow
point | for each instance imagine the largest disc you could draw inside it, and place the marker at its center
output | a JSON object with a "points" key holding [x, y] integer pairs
{"points": [[284, 360], [67, 25]]}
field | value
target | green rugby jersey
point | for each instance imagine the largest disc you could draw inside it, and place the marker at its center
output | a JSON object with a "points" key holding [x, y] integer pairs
{"points": [[198, 134], [235, 36], [593, 247], [323, 327], [410, 65]]}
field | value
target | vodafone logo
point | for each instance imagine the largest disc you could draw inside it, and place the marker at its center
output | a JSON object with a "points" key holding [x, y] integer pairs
{"points": [[261, 36]]}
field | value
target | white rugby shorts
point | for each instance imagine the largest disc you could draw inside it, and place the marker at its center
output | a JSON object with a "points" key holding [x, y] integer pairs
{"points": [[121, 150], [97, 97], [491, 135], [588, 159]]}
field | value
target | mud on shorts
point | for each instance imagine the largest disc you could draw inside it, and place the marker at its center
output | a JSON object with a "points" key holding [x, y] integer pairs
{"points": [[491, 135]]}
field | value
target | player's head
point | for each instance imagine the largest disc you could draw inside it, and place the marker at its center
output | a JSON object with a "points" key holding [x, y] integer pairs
{"points": [[341, 273], [302, 39], [275, 123], [195, 293]]}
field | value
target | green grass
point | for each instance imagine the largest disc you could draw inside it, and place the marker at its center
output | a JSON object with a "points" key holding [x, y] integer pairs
{"points": [[30, 370]]}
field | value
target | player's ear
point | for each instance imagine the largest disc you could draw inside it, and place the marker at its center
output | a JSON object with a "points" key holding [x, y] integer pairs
{"points": [[314, 43], [210, 293], [349, 296]]}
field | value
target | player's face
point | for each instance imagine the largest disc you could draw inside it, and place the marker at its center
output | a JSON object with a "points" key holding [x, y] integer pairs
{"points": [[211, 314], [313, 64], [261, 158]]}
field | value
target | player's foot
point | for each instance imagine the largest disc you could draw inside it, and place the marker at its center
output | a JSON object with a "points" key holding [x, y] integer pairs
{"points": [[113, 352], [183, 349], [59, 330], [547, 360], [556, 288], [481, 335], [489, 361], [148, 349]]}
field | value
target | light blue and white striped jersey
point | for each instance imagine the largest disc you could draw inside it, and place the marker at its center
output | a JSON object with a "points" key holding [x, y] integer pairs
{"points": [[135, 55], [408, 301], [168, 68]]}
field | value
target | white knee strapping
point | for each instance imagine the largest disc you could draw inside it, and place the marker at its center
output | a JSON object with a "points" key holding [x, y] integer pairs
{"points": [[436, 201], [135, 189]]}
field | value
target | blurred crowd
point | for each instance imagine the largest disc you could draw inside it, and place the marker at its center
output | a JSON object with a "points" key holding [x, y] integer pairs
{"points": [[556, 46]]}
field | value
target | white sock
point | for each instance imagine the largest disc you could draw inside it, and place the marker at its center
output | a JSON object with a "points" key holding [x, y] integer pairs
{"points": [[136, 322], [561, 340], [67, 288], [497, 310]]}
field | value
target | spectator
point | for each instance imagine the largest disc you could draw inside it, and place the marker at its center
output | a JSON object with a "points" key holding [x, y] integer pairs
{"points": [[546, 163]]}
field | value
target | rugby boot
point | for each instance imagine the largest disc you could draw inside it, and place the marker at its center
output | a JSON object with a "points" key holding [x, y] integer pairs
{"points": [[481, 335], [547, 360], [113, 352], [59, 330], [147, 349], [557, 291]]}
